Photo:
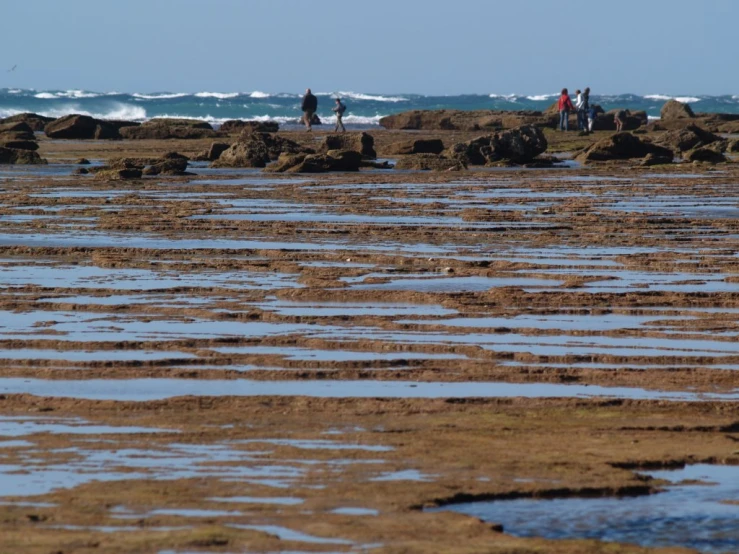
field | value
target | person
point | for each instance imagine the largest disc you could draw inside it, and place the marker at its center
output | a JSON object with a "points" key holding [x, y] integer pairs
{"points": [[309, 107], [620, 119], [339, 110], [579, 103], [592, 116], [583, 110], [565, 107]]}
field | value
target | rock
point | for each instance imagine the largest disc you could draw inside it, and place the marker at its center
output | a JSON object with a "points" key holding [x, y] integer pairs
{"points": [[606, 121], [81, 171], [706, 155], [621, 146], [233, 126], [461, 120], [427, 146], [24, 157], [519, 145], [168, 166], [214, 151], [162, 129], [252, 152], [17, 128], [429, 162], [676, 110], [34, 121], [733, 146], [333, 160], [80, 127], [363, 143], [688, 138], [119, 174], [19, 144], [83, 161], [654, 159]]}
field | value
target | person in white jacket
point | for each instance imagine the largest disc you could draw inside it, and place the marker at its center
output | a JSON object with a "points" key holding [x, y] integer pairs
{"points": [[582, 116]]}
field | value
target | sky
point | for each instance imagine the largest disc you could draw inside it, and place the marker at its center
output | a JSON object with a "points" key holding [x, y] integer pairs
{"points": [[382, 46]]}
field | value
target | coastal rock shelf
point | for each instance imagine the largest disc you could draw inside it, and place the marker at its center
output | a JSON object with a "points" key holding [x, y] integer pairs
{"points": [[237, 361]]}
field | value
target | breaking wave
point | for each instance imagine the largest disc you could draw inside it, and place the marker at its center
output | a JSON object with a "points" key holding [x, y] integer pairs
{"points": [[160, 96], [219, 95], [371, 97], [665, 98]]}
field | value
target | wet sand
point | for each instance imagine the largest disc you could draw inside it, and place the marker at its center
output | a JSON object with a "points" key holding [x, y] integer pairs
{"points": [[353, 348]]}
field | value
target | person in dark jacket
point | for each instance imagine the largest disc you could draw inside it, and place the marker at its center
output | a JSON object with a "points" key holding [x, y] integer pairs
{"points": [[339, 110], [309, 107]]}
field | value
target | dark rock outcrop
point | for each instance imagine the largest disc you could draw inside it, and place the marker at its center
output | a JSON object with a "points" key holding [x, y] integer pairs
{"points": [[34, 121], [119, 174], [80, 127], [673, 109], [363, 143], [257, 150], [333, 160], [607, 121], [688, 138], [460, 120], [705, 155], [621, 146], [162, 129], [233, 126], [213, 152], [421, 146], [429, 162], [170, 163], [17, 156], [519, 146]]}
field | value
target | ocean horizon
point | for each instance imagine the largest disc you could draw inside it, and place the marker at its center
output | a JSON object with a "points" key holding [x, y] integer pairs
{"points": [[364, 109]]}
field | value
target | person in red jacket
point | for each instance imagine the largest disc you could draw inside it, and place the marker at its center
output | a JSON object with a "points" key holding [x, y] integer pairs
{"points": [[565, 107]]}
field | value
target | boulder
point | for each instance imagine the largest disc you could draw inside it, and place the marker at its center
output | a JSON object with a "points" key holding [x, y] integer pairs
{"points": [[706, 155], [19, 144], [24, 157], [688, 138], [461, 120], [252, 152], [80, 127], [119, 174], [621, 146], [83, 161], [34, 121], [162, 129], [606, 121], [363, 143], [233, 126], [519, 146], [733, 146], [422, 146], [429, 162], [215, 150], [333, 160], [655, 159], [676, 110], [167, 166], [17, 127]]}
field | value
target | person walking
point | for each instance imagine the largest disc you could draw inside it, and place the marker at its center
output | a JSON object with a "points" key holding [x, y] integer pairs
{"points": [[339, 110], [620, 119], [585, 110], [580, 111], [309, 107], [565, 107]]}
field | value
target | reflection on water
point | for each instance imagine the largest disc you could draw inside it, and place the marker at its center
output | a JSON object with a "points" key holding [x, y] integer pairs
{"points": [[691, 515]]}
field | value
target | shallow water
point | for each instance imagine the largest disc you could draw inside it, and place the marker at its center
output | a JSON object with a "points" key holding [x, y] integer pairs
{"points": [[688, 515], [155, 389]]}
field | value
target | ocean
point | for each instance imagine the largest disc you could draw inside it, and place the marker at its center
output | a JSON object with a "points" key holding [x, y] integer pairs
{"points": [[364, 110]]}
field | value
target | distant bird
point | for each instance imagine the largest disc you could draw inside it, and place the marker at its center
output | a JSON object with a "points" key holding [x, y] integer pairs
{"points": [[12, 68]]}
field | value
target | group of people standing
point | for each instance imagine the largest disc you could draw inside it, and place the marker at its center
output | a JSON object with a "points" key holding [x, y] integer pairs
{"points": [[585, 112], [310, 106]]}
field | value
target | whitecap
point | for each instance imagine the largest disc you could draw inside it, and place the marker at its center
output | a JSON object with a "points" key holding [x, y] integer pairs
{"points": [[14, 91], [371, 97], [161, 96], [45, 95], [541, 97], [118, 111], [219, 95], [258, 94], [663, 97], [505, 96]]}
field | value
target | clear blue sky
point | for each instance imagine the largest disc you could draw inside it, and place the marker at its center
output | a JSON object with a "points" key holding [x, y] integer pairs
{"points": [[388, 46]]}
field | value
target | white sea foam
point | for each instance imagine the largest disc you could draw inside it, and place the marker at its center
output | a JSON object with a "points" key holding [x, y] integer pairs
{"points": [[509, 97], [541, 97], [259, 94], [219, 95], [66, 94], [371, 97], [45, 96], [118, 111], [161, 96], [663, 97], [14, 91]]}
